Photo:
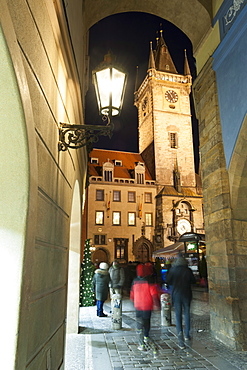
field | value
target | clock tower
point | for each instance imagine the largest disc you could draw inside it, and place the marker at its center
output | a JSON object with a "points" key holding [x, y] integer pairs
{"points": [[166, 144]]}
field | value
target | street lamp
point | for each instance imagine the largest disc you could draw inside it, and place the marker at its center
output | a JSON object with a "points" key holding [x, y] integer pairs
{"points": [[110, 83]]}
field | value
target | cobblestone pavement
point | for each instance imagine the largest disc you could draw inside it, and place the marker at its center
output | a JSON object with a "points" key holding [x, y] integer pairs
{"points": [[98, 345]]}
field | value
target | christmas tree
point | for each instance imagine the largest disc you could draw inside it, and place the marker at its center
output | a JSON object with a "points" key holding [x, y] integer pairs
{"points": [[86, 293]]}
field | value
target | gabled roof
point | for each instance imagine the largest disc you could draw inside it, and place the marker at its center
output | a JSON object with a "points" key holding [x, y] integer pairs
{"points": [[129, 161]]}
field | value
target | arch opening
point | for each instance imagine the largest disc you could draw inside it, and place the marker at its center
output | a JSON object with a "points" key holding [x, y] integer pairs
{"points": [[14, 204]]}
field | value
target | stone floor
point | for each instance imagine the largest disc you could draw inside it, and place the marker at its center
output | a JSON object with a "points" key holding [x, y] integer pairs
{"points": [[99, 346]]}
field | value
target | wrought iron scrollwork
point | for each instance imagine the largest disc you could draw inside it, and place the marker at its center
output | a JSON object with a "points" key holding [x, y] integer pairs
{"points": [[76, 136]]}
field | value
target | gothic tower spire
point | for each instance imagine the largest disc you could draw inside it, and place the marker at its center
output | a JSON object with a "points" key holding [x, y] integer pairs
{"points": [[186, 65], [163, 59], [151, 62]]}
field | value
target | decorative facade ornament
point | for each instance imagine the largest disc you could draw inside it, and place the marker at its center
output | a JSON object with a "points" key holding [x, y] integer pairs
{"points": [[232, 11]]}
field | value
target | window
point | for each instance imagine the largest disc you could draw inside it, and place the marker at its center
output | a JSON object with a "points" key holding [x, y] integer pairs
{"points": [[148, 197], [131, 196], [121, 248], [118, 162], [131, 218], [95, 160], [148, 219], [99, 194], [173, 140], [100, 239], [140, 178], [116, 196], [99, 217], [140, 173], [108, 176], [116, 218]]}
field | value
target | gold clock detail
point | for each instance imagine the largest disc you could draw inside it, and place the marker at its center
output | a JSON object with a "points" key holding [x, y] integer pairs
{"points": [[183, 226], [171, 96]]}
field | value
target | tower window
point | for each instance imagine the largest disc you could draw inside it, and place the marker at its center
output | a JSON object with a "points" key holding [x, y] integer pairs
{"points": [[173, 140]]}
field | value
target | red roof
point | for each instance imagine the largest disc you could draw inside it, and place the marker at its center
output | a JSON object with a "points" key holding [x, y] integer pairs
{"points": [[129, 161]]}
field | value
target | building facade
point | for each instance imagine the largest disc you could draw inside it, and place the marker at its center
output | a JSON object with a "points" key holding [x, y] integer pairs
{"points": [[44, 79], [140, 203], [120, 207]]}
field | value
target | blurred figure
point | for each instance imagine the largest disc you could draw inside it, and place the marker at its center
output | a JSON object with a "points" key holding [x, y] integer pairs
{"points": [[117, 278], [101, 281], [181, 277], [203, 272], [145, 296]]}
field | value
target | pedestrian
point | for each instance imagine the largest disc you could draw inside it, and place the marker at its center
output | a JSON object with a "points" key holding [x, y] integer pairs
{"points": [[117, 278], [145, 297], [101, 281], [180, 278]]}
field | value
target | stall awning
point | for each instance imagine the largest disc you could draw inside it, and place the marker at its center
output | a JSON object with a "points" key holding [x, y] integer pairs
{"points": [[169, 251]]}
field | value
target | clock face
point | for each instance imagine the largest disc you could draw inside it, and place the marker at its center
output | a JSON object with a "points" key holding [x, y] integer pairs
{"points": [[183, 226], [171, 96]]}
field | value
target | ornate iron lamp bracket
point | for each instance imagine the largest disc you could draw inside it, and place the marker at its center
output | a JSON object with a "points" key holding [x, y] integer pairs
{"points": [[76, 136]]}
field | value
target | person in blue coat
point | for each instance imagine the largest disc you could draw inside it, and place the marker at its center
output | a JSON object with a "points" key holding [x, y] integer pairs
{"points": [[180, 278], [101, 281]]}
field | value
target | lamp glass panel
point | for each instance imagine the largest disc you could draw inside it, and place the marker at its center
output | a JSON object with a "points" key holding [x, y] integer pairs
{"points": [[118, 79], [103, 82], [110, 85]]}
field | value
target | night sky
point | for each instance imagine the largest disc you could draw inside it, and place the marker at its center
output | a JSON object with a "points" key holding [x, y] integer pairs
{"points": [[128, 36]]}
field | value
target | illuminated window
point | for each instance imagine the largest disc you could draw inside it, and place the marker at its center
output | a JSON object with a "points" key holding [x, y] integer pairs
{"points": [[99, 217], [116, 196], [131, 218], [116, 218], [173, 140], [148, 219], [148, 197], [121, 248]]}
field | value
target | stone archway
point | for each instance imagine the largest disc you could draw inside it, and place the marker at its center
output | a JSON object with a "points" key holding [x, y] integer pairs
{"points": [[193, 17], [142, 250], [238, 175], [18, 199]]}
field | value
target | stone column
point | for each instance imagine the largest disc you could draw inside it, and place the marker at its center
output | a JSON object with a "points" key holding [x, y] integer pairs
{"points": [[226, 324]]}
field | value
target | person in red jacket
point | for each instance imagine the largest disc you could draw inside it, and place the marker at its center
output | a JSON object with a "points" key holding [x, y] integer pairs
{"points": [[145, 297]]}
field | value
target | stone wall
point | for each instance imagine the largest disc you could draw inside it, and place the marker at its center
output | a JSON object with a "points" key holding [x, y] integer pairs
{"points": [[225, 305]]}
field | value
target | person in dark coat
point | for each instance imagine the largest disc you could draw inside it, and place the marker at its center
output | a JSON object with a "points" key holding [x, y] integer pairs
{"points": [[117, 278], [145, 296], [180, 278], [101, 281]]}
